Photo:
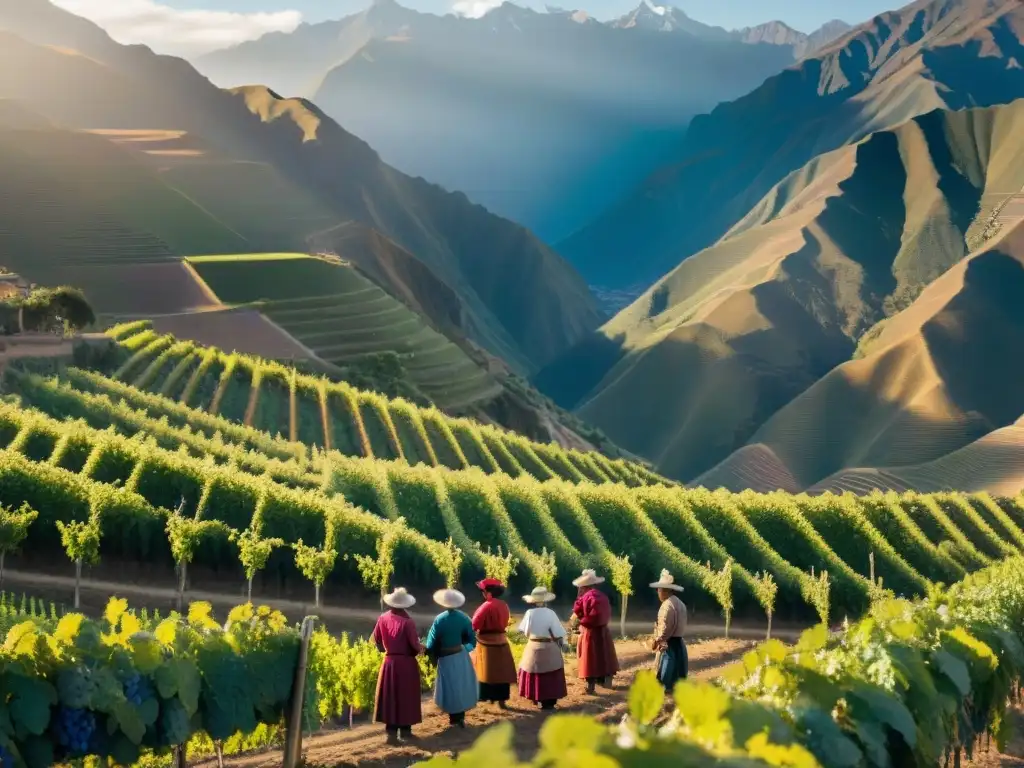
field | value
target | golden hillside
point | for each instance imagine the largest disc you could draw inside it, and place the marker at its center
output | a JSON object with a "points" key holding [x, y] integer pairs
{"points": [[734, 333], [935, 402]]}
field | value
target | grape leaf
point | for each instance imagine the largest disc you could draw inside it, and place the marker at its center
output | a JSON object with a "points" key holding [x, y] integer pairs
{"points": [[646, 697], [883, 707], [826, 739], [37, 752], [149, 710], [188, 680], [813, 639], [166, 680], [784, 756], [954, 670], [130, 722], [749, 718], [872, 738], [567, 732], [31, 699]]}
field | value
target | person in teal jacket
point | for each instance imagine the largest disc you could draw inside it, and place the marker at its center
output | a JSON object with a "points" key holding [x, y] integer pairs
{"points": [[449, 642]]}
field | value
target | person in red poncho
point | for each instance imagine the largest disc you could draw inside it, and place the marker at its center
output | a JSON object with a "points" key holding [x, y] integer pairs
{"points": [[596, 649], [495, 667], [398, 684]]}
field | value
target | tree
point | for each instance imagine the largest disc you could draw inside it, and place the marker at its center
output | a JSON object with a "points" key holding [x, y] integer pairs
{"points": [[254, 552], [766, 590], [81, 540], [14, 525], [70, 304], [500, 566], [316, 564], [185, 534], [377, 572], [548, 569], [719, 584], [451, 563], [622, 581]]}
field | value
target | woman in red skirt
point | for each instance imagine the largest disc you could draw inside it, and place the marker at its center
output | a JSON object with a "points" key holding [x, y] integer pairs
{"points": [[598, 662], [542, 668], [398, 684]]}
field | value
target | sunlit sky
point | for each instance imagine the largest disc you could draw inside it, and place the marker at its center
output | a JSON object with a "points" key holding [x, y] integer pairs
{"points": [[190, 27]]}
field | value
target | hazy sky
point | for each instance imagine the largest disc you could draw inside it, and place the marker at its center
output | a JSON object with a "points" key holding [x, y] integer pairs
{"points": [[188, 27]]}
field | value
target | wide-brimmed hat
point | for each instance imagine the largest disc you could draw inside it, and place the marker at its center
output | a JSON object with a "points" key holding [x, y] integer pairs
{"points": [[485, 584], [588, 579], [539, 595], [666, 582], [449, 598], [400, 599]]}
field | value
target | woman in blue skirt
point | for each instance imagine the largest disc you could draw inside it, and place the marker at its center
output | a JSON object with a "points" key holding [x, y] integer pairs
{"points": [[672, 661], [449, 642]]}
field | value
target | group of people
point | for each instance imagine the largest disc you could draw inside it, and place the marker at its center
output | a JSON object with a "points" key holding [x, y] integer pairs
{"points": [[475, 663]]}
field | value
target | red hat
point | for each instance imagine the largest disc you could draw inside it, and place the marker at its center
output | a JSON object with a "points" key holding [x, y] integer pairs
{"points": [[487, 583]]}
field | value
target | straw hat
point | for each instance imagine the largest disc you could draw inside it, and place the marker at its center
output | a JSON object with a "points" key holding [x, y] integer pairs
{"points": [[588, 579], [449, 598], [539, 595], [666, 582], [400, 599]]}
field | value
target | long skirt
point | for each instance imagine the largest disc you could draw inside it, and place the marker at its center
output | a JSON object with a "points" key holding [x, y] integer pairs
{"points": [[456, 689], [542, 686], [398, 692], [496, 671], [673, 663], [596, 651]]}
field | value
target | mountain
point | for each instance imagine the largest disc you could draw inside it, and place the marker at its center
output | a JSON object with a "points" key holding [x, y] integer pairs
{"points": [[931, 54], [246, 170], [669, 18], [749, 342], [934, 405], [544, 118]]}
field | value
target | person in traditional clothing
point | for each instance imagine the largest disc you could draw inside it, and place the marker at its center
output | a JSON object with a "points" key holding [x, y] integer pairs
{"points": [[495, 667], [596, 648], [542, 667], [449, 642], [672, 661], [398, 684]]}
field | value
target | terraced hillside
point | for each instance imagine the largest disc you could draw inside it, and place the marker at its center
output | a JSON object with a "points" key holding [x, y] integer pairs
{"points": [[237, 477], [316, 411], [340, 315], [806, 281]]}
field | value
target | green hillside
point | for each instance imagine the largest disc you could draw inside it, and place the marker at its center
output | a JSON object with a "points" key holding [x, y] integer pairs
{"points": [[84, 444], [341, 316], [316, 411]]}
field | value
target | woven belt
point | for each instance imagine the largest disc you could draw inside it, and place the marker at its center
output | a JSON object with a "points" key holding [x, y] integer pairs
{"points": [[542, 640]]}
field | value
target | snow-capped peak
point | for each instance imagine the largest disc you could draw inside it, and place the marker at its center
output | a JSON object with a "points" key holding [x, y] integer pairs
{"points": [[660, 10]]}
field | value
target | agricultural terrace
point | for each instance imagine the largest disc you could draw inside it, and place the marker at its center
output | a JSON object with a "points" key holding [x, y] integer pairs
{"points": [[821, 552], [341, 315], [272, 398]]}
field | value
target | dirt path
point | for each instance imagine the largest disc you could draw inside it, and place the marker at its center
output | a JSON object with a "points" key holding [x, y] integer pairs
{"points": [[365, 746]]}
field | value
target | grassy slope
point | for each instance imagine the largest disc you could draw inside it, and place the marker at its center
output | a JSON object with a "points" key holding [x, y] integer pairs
{"points": [[495, 267], [716, 347], [341, 315]]}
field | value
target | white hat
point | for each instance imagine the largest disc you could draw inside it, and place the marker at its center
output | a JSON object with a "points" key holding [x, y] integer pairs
{"points": [[400, 599], [539, 595], [588, 579], [666, 582], [449, 598]]}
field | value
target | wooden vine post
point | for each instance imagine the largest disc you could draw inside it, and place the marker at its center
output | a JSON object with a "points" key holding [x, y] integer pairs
{"points": [[293, 732]]}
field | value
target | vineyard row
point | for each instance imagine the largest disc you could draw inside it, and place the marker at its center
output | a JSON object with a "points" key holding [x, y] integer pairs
{"points": [[71, 471], [272, 398]]}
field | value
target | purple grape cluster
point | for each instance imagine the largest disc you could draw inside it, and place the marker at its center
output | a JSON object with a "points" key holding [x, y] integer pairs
{"points": [[6, 758], [74, 729], [137, 689]]}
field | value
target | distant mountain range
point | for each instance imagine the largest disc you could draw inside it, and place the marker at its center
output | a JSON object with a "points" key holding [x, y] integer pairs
{"points": [[544, 118], [818, 314], [669, 18]]}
